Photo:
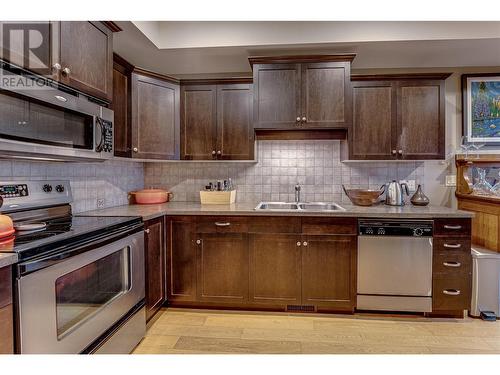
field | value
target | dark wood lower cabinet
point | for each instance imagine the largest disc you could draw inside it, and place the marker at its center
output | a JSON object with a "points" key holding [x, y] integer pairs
{"points": [[6, 312], [329, 272], [222, 267], [275, 269], [155, 265]]}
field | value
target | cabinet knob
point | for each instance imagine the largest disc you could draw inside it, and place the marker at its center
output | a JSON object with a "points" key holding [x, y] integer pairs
{"points": [[213, 152], [198, 242], [304, 119], [305, 243], [147, 231], [298, 243], [66, 71], [400, 152], [298, 119], [135, 149], [56, 66], [394, 152], [219, 153]]}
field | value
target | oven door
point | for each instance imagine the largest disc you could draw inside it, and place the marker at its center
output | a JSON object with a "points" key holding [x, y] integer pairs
{"points": [[66, 306]]}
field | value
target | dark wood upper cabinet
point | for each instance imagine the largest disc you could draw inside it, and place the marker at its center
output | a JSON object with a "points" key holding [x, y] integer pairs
{"points": [[198, 122], [155, 253], [276, 95], [235, 135], [373, 132], [222, 267], [398, 117], [329, 272], [122, 128], [155, 118], [216, 120], [86, 57], [181, 259], [300, 92]]}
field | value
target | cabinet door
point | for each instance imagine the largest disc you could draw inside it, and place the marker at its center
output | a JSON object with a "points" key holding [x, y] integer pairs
{"points": [[14, 115], [121, 107], [235, 136], [86, 51], [155, 265], [420, 120], [275, 269], [6, 312], [198, 122], [276, 95], [28, 44], [329, 272], [155, 118], [181, 253], [326, 95], [373, 133], [222, 267]]}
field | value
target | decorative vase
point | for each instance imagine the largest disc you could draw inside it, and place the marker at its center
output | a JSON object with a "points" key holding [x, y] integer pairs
{"points": [[419, 198]]}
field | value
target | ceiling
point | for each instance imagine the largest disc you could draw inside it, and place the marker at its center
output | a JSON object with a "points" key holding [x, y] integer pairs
{"points": [[186, 49]]}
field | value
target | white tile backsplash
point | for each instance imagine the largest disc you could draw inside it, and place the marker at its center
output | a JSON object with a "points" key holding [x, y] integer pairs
{"points": [[315, 165], [108, 180]]}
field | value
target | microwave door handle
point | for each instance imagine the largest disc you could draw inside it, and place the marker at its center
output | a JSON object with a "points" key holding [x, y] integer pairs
{"points": [[100, 146]]}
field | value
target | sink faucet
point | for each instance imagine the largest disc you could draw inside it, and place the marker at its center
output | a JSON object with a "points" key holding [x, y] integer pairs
{"points": [[297, 193]]}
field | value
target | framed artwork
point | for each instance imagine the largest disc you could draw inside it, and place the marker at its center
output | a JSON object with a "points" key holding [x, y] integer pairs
{"points": [[481, 108]]}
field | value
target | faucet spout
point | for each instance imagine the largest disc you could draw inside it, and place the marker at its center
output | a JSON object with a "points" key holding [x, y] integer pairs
{"points": [[297, 193]]}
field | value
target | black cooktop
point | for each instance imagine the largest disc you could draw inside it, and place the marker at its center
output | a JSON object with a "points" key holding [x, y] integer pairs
{"points": [[62, 232]]}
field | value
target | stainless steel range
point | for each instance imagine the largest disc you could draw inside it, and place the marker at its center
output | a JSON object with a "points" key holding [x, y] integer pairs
{"points": [[79, 282]]}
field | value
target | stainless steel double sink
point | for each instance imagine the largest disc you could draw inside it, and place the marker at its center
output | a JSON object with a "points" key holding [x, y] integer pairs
{"points": [[306, 206]]}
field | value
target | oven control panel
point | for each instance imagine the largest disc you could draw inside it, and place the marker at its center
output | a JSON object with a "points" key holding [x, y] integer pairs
{"points": [[14, 191], [414, 228]]}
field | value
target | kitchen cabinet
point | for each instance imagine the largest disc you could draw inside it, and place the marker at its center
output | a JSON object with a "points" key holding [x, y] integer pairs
{"points": [[154, 116], [301, 92], [329, 271], [452, 267], [122, 126], [6, 312], [216, 120], [398, 117], [155, 253], [181, 259]]}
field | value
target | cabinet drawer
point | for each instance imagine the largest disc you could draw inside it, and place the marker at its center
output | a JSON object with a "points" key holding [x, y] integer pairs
{"points": [[453, 263], [5, 286], [222, 224], [452, 227], [319, 225], [6, 330], [274, 225], [451, 293], [444, 244]]}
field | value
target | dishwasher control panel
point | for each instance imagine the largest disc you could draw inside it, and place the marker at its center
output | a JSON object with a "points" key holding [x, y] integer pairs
{"points": [[413, 228]]}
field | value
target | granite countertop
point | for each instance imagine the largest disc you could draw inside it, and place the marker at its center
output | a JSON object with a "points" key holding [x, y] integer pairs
{"points": [[152, 211], [6, 259]]}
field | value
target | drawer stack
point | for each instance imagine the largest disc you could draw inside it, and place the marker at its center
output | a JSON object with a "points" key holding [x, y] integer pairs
{"points": [[451, 268]]}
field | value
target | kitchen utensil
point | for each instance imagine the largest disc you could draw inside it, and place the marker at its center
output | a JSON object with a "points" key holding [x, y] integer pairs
{"points": [[394, 193], [419, 198], [363, 197], [6, 225], [151, 196]]}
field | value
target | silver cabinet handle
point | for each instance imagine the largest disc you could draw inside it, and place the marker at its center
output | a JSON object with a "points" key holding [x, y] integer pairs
{"points": [[56, 66], [66, 71], [299, 243], [219, 152], [298, 119], [400, 152], [135, 149], [452, 264], [452, 246], [454, 227], [305, 243], [198, 242], [147, 231], [304, 119], [394, 152], [213, 152], [219, 224], [451, 292]]}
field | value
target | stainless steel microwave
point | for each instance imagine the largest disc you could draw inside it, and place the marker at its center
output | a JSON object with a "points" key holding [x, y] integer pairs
{"points": [[43, 120]]}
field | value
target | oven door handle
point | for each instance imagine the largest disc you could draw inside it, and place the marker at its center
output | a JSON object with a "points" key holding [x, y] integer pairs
{"points": [[68, 251]]}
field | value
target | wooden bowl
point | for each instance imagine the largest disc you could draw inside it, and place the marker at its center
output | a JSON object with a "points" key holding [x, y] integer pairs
{"points": [[363, 197]]}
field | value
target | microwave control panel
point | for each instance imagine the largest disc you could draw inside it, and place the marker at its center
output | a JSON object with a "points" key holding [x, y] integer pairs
{"points": [[107, 133], [14, 191]]}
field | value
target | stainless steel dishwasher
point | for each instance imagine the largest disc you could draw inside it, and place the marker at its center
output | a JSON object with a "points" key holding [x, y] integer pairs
{"points": [[395, 265]]}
